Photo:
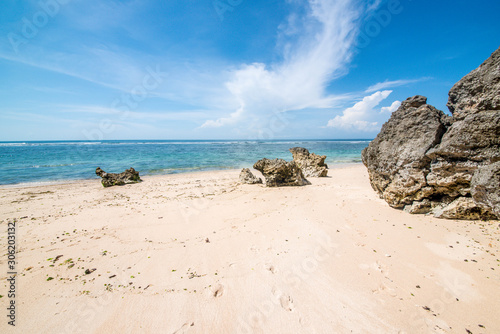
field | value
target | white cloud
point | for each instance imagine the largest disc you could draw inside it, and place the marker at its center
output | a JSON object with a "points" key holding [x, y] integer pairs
{"points": [[374, 5], [232, 119], [311, 61], [391, 84], [392, 108], [362, 116], [315, 48]]}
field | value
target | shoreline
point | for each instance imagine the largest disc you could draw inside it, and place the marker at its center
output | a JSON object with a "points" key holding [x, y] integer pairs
{"points": [[201, 253], [36, 184]]}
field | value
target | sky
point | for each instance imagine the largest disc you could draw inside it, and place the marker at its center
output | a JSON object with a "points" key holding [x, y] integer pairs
{"points": [[230, 69]]}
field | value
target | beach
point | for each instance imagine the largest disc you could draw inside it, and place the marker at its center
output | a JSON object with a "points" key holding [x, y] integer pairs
{"points": [[202, 253]]}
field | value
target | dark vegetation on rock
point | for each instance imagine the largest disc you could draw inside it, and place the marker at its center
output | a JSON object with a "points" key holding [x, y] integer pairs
{"points": [[112, 179]]}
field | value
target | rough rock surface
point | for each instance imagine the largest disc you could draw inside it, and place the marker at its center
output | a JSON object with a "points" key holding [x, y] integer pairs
{"points": [[424, 161], [485, 187], [396, 159], [312, 165], [477, 91], [247, 177], [279, 172], [419, 207], [112, 179], [463, 208]]}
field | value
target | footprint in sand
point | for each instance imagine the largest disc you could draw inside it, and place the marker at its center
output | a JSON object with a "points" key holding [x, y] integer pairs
{"points": [[379, 267], [185, 328], [287, 303], [305, 322], [382, 269], [385, 289], [219, 291], [361, 233], [437, 326]]}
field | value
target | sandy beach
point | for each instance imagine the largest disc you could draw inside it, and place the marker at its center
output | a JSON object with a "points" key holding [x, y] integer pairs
{"points": [[202, 253]]}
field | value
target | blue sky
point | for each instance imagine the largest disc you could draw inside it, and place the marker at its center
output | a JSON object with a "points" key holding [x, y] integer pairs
{"points": [[230, 69]]}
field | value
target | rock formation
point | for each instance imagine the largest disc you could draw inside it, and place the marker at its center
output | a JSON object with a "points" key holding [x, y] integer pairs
{"points": [[279, 172], [396, 159], [478, 91], [462, 208], [427, 162], [485, 187], [247, 177], [312, 165], [112, 179]]}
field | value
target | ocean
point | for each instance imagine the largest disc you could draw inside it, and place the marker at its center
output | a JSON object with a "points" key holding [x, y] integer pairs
{"points": [[55, 161]]}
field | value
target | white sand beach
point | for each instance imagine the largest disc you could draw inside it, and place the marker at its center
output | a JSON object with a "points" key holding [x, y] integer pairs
{"points": [[201, 253]]}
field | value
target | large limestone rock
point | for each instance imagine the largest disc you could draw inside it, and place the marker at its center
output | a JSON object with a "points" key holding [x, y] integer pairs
{"points": [[425, 161], [112, 179], [247, 177], [396, 159], [477, 91], [485, 187], [312, 165], [474, 138], [279, 172], [467, 145]]}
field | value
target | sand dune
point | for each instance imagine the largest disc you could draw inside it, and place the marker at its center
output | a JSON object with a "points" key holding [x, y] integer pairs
{"points": [[201, 253]]}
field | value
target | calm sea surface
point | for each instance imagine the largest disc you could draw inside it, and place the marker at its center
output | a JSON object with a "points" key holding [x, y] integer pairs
{"points": [[28, 162]]}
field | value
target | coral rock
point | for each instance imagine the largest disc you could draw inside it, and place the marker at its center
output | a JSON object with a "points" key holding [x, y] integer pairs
{"points": [[279, 172], [312, 165], [247, 177], [112, 179], [485, 188]]}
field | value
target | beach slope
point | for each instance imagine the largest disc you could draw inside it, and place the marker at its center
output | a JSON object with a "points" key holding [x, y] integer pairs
{"points": [[201, 253]]}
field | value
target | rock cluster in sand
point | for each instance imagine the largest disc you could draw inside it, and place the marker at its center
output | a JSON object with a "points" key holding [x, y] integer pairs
{"points": [[279, 172], [111, 179], [312, 165]]}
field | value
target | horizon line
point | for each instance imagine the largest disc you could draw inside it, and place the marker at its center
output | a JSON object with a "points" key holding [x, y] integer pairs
{"points": [[255, 139]]}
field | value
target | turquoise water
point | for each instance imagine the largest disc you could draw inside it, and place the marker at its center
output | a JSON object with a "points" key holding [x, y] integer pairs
{"points": [[49, 161]]}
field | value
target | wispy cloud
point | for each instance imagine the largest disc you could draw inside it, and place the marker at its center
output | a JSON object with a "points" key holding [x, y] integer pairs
{"points": [[53, 65], [109, 53], [311, 61], [363, 116], [118, 115], [391, 84], [374, 5], [119, 71]]}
